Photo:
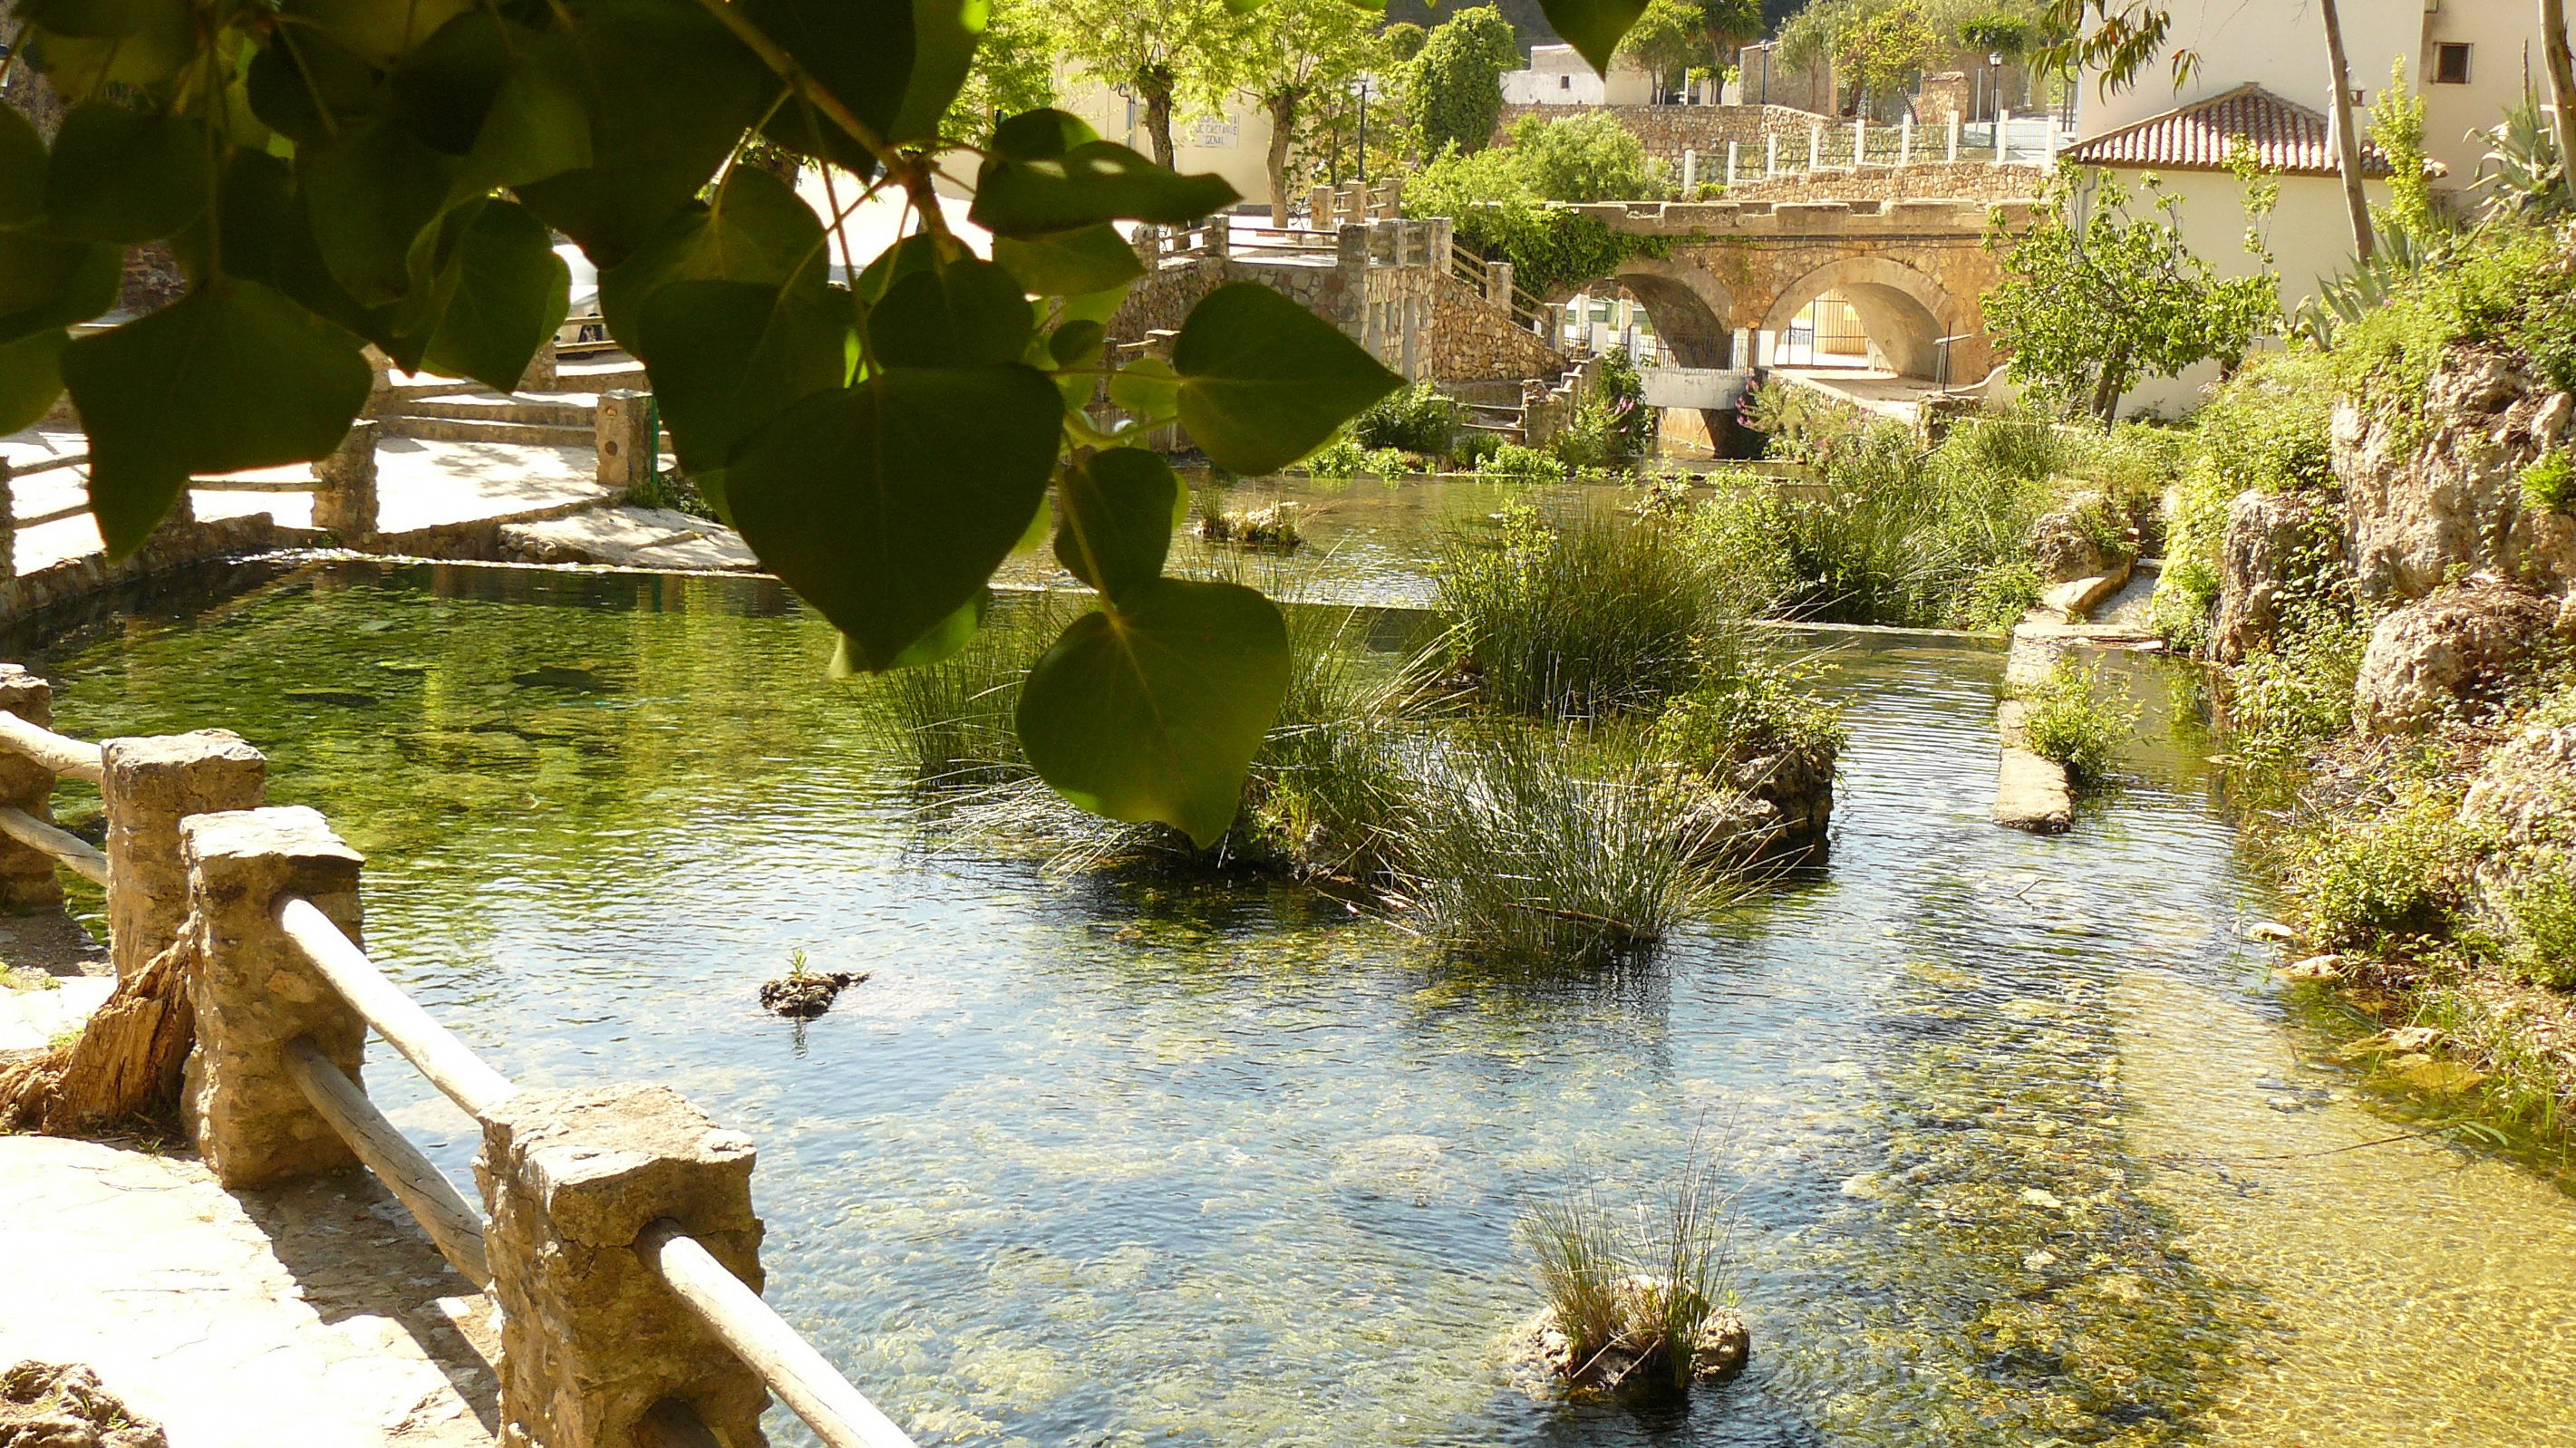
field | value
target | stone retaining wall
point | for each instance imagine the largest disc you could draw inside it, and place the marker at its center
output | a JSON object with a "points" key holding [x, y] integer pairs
{"points": [[1667, 131], [172, 546], [1931, 180], [1472, 340]]}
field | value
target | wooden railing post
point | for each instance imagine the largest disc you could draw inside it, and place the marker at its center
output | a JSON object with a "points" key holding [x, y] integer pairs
{"points": [[344, 485], [591, 1340], [623, 434], [27, 879], [148, 786], [255, 994]]}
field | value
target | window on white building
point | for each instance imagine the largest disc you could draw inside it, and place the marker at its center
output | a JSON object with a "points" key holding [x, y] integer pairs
{"points": [[2451, 63], [1565, 82]]}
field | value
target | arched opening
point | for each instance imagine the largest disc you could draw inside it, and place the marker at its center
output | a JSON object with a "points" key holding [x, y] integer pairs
{"points": [[1685, 324], [1904, 317]]}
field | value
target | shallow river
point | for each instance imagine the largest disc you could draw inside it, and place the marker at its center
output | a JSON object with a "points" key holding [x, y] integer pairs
{"points": [[2025, 1147]]}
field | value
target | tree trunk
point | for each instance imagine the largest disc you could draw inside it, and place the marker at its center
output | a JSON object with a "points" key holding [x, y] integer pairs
{"points": [[124, 1065], [1283, 125], [2347, 140], [1158, 124], [2562, 86], [2106, 397]]}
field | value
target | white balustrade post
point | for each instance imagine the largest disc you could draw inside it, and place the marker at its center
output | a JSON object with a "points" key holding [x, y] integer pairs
{"points": [[2003, 136], [1770, 154], [1734, 150], [1815, 145], [1860, 140], [1951, 155], [1690, 173], [1905, 141]]}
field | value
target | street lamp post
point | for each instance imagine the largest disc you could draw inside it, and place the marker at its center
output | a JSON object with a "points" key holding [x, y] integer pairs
{"points": [[1363, 88]]}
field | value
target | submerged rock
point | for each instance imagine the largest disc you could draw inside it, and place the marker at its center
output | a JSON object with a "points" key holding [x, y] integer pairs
{"points": [[62, 1405], [802, 995], [2454, 653]]}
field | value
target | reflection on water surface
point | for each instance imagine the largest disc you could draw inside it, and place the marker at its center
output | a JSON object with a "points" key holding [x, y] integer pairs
{"points": [[1141, 1161]]}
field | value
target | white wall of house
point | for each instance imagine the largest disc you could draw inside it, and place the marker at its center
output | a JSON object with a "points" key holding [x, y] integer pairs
{"points": [[1557, 76], [1233, 142], [2502, 36], [2309, 236]]}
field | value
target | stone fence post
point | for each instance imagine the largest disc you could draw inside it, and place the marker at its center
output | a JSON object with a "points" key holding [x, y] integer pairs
{"points": [[255, 993], [1444, 242], [624, 437], [27, 880], [591, 1338], [1220, 236], [1319, 208], [344, 485], [149, 786], [1498, 283], [544, 370]]}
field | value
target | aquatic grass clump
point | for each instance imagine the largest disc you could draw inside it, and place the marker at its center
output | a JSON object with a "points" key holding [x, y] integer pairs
{"points": [[1585, 618], [1638, 1299], [954, 718], [2070, 723], [1555, 845]]}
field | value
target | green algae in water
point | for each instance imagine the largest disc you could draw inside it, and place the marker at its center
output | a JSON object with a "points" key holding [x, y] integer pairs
{"points": [[1105, 1160]]}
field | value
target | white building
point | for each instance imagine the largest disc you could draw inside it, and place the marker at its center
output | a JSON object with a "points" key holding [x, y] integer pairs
{"points": [[1234, 142], [1559, 77], [2262, 74]]}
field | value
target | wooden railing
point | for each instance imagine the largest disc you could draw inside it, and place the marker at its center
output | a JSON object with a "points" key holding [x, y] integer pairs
{"points": [[241, 938]]}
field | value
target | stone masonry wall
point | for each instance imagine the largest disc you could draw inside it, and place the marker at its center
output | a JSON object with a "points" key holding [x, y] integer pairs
{"points": [[1473, 341], [1945, 180]]}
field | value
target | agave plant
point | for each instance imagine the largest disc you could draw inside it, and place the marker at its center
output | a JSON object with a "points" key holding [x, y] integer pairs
{"points": [[2400, 254], [2522, 174]]}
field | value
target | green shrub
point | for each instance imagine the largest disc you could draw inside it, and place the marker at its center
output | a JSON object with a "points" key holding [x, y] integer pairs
{"points": [[2393, 882], [2511, 289], [1587, 157], [1419, 419], [2542, 913], [1592, 617], [2550, 483], [1746, 704], [1474, 448], [2281, 702], [1512, 462], [2070, 723], [1343, 457]]}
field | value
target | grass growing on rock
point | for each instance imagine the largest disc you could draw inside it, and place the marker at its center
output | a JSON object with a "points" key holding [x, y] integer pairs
{"points": [[1640, 1299], [2071, 723]]}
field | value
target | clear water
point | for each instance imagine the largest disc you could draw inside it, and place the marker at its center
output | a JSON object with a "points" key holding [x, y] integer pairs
{"points": [[2025, 1149]]}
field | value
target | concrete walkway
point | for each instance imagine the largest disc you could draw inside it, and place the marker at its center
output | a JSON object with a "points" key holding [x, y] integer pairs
{"points": [[315, 1316]]}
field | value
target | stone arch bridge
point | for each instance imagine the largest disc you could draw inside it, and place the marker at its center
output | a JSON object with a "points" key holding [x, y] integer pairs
{"points": [[1737, 273]]}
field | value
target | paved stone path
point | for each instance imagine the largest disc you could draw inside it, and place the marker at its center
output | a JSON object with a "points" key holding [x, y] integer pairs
{"points": [[315, 1316]]}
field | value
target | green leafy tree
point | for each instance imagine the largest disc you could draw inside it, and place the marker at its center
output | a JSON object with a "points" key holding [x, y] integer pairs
{"points": [[1498, 204], [1670, 38], [2088, 307], [1732, 23], [2118, 39], [1402, 41], [1455, 84], [1170, 54], [1014, 70], [1294, 52], [1580, 158], [394, 174]]}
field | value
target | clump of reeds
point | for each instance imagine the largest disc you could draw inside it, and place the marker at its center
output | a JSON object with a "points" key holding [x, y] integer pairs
{"points": [[1591, 616], [1278, 527], [953, 718], [1554, 844], [1639, 1298]]}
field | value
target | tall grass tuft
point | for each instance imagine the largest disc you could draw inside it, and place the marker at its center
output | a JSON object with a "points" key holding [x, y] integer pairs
{"points": [[1594, 616], [1634, 1291], [2071, 723], [1556, 845], [954, 718]]}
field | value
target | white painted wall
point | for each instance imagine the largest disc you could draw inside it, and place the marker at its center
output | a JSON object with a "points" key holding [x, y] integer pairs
{"points": [[1557, 76], [1233, 142], [2500, 33]]}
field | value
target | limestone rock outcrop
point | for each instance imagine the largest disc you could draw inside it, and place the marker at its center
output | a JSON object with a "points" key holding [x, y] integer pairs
{"points": [[2079, 538], [2448, 655], [2430, 496], [2275, 545], [62, 1405]]}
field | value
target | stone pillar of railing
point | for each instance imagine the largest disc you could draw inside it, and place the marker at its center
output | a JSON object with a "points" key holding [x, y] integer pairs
{"points": [[1690, 174], [1319, 208], [150, 786], [1498, 283], [255, 993], [1354, 204], [591, 1340], [8, 523], [1444, 242], [1390, 198], [624, 436], [1815, 144], [1950, 152], [1220, 235], [27, 879], [1734, 159], [344, 485]]}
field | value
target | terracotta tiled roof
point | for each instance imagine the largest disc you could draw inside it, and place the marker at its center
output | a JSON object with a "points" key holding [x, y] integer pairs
{"points": [[2288, 138]]}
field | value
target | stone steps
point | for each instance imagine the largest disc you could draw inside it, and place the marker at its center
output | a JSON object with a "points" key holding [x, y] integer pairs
{"points": [[458, 429], [488, 407]]}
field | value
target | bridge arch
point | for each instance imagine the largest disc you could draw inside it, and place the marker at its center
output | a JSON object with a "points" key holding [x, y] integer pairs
{"points": [[1903, 310], [1693, 311]]}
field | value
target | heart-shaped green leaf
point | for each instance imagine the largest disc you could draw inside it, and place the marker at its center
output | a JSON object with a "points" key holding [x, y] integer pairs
{"points": [[1264, 381], [30, 378], [125, 176], [888, 504], [729, 356], [1152, 709], [1078, 343], [859, 50], [370, 194], [22, 169], [962, 314], [508, 294], [1048, 174], [1115, 523], [944, 36], [1146, 387], [305, 87], [755, 230], [669, 92], [231, 376], [1069, 263], [45, 284], [88, 68], [1593, 27]]}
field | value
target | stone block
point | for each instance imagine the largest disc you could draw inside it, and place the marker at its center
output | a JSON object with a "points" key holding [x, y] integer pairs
{"points": [[151, 785], [628, 450], [254, 992], [591, 1338], [27, 879], [344, 491]]}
